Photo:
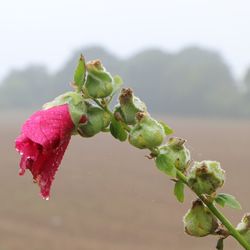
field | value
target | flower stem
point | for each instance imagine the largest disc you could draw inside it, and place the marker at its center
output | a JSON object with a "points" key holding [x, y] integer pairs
{"points": [[233, 232]]}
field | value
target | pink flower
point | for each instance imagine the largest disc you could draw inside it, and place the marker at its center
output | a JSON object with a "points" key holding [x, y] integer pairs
{"points": [[42, 144]]}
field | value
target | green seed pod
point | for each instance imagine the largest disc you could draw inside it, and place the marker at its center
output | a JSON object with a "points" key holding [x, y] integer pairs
{"points": [[99, 83], [206, 177], [199, 221], [244, 227], [129, 106], [176, 153], [147, 132], [98, 119]]}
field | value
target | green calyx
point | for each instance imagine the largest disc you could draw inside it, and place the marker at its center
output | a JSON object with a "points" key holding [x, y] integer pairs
{"points": [[76, 103], [244, 227], [176, 153], [147, 132], [99, 82], [98, 119], [206, 177], [199, 221], [129, 106]]}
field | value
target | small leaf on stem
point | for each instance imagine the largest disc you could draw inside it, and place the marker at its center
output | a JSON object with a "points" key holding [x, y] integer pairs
{"points": [[117, 83], [117, 130], [220, 244], [167, 129], [80, 73], [179, 191], [227, 200]]}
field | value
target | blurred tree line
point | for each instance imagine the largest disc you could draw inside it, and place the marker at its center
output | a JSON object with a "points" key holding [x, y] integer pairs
{"points": [[192, 82]]}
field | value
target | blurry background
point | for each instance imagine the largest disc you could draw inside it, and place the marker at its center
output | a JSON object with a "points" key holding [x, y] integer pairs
{"points": [[188, 60]]}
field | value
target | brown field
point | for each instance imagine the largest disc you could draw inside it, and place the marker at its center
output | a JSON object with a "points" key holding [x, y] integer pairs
{"points": [[108, 196]]}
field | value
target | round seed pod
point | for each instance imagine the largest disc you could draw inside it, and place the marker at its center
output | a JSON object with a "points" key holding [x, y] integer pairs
{"points": [[199, 221], [147, 132], [99, 82], [206, 177], [176, 153], [98, 119]]}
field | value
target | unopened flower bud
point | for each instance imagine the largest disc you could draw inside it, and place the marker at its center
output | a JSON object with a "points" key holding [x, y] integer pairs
{"points": [[129, 106], [176, 153], [147, 132], [244, 227], [206, 177], [199, 221], [99, 83], [98, 119]]}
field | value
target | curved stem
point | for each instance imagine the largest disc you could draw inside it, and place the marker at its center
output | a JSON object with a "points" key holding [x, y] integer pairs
{"points": [[233, 232]]}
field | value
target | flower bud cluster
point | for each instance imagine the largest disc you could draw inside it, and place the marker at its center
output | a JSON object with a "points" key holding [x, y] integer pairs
{"points": [[130, 119]]}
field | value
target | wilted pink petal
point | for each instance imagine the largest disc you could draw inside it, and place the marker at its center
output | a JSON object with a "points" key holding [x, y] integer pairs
{"points": [[42, 143]]}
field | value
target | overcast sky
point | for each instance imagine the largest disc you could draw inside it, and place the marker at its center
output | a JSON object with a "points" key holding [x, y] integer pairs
{"points": [[47, 31]]}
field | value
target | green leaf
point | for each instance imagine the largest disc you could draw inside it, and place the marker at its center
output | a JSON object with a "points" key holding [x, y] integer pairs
{"points": [[117, 130], [179, 191], [117, 83], [227, 200], [220, 244], [80, 73], [165, 165], [167, 129]]}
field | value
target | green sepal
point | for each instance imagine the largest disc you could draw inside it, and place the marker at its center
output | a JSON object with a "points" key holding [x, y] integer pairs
{"points": [[77, 106], [165, 165], [227, 200], [167, 129], [244, 227], [80, 74], [179, 191], [117, 130]]}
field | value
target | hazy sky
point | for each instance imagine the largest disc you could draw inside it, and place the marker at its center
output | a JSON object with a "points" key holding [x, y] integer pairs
{"points": [[47, 31]]}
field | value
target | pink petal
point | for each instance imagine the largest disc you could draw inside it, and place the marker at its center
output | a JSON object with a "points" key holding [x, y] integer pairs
{"points": [[48, 126], [42, 144]]}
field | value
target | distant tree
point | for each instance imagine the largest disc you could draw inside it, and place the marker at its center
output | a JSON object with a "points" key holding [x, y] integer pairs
{"points": [[192, 82], [25, 88], [247, 80]]}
